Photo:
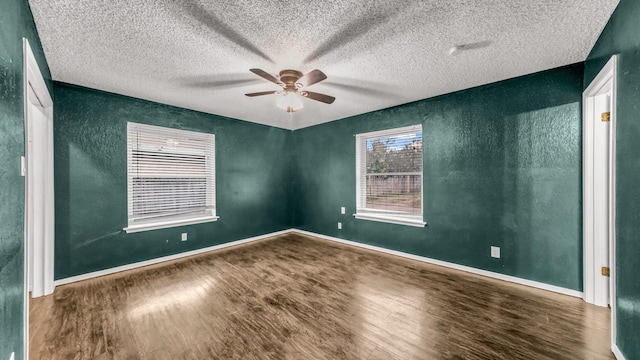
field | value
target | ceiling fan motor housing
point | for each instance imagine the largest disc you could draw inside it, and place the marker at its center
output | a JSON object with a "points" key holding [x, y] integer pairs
{"points": [[289, 78]]}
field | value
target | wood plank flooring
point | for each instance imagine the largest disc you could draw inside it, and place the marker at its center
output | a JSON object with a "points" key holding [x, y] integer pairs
{"points": [[295, 297]]}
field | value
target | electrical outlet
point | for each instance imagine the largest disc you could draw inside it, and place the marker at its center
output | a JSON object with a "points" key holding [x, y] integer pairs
{"points": [[184, 236], [339, 226], [495, 252], [13, 356], [343, 210]]}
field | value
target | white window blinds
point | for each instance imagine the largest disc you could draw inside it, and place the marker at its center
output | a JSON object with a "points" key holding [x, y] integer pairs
{"points": [[171, 177], [389, 175]]}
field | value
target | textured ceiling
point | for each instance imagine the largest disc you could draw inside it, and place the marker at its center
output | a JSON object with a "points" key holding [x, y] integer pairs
{"points": [[197, 53]]}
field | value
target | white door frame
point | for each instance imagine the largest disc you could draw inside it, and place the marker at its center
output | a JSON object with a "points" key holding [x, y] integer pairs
{"points": [[45, 247], [592, 290]]}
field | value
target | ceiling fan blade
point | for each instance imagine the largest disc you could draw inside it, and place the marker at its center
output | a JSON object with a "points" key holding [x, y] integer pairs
{"points": [[312, 77], [265, 75], [261, 93], [318, 97]]}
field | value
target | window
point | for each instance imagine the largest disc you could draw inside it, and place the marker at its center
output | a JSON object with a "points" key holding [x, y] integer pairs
{"points": [[389, 176], [170, 177]]}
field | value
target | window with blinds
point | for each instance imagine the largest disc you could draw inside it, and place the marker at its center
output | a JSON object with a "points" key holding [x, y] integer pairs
{"points": [[389, 176], [170, 177]]}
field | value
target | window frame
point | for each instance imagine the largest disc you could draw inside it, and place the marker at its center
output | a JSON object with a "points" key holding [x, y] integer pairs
{"points": [[387, 216], [139, 224]]}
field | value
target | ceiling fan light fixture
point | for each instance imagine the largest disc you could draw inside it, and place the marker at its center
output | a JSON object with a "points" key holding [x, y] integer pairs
{"points": [[292, 81], [290, 102]]}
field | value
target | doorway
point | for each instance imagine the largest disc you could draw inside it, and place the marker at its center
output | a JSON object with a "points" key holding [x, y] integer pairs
{"points": [[37, 168], [599, 134]]}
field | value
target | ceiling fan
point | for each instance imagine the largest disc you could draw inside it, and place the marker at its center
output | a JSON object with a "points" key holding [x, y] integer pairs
{"points": [[292, 83]]}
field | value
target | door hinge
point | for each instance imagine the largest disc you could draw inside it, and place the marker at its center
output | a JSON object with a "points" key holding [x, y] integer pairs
{"points": [[605, 116], [605, 271]]}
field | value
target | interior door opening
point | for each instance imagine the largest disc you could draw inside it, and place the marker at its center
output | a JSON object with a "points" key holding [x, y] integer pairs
{"points": [[601, 108], [599, 134], [39, 201]]}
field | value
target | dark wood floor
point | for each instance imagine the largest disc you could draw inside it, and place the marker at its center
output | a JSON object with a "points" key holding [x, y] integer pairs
{"points": [[294, 297]]}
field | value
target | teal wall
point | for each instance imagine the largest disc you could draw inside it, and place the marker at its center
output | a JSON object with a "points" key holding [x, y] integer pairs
{"points": [[16, 22], [502, 167], [622, 36], [253, 180]]}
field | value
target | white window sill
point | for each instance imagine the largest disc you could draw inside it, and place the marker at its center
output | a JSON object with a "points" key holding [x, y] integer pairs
{"points": [[169, 223], [391, 219]]}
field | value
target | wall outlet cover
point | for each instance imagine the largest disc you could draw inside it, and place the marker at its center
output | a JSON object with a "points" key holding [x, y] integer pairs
{"points": [[343, 210], [339, 225], [13, 356], [495, 252], [184, 236]]}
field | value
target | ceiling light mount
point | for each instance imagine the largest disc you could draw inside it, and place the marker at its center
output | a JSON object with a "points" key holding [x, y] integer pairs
{"points": [[470, 46]]}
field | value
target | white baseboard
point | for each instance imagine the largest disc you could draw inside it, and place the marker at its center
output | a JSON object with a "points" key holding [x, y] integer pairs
{"points": [[616, 352], [468, 269], [491, 274], [164, 258]]}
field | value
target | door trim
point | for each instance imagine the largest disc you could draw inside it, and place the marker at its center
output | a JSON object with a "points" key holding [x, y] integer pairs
{"points": [[608, 73], [32, 76]]}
